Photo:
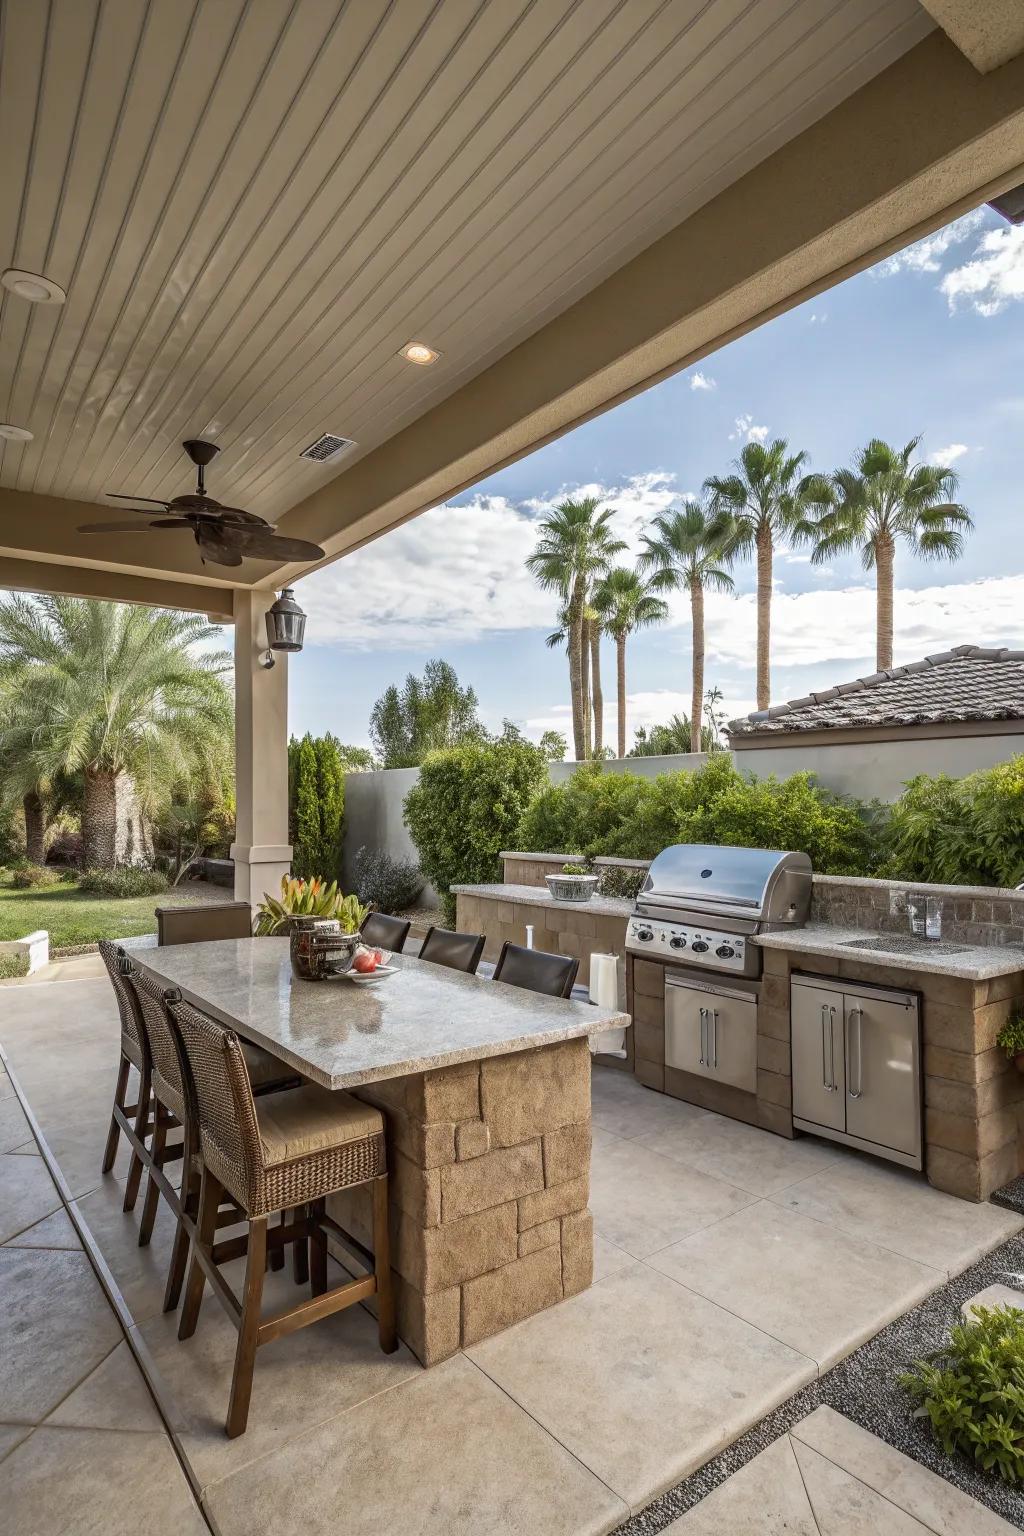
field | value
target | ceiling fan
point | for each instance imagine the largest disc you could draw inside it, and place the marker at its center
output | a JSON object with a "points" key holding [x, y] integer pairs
{"points": [[225, 535]]}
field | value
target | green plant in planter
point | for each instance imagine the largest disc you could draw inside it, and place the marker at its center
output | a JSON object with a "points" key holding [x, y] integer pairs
{"points": [[972, 1391], [1011, 1036], [575, 869], [308, 898]]}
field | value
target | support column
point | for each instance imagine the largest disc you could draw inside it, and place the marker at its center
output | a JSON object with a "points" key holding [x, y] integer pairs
{"points": [[261, 850]]}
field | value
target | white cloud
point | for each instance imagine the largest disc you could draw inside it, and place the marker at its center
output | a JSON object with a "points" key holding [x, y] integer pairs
{"points": [[993, 278], [926, 255], [818, 317], [700, 380], [945, 457], [746, 429]]}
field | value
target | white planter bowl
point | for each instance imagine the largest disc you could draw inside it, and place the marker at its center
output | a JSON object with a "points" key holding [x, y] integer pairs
{"points": [[572, 887]]}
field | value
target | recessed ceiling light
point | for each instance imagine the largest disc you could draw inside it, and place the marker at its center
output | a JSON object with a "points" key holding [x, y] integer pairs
{"points": [[15, 434], [30, 286], [419, 352]]}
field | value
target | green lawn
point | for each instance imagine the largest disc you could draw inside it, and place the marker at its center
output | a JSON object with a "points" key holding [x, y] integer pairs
{"points": [[73, 918]]}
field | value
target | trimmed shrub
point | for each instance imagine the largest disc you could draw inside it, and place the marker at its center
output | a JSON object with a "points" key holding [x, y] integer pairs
{"points": [[621, 881], [30, 877], [591, 813], [390, 885], [468, 806], [316, 805], [125, 882], [967, 831]]}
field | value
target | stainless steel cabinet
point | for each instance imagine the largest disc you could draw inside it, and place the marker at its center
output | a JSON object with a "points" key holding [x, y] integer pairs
{"points": [[711, 1031], [857, 1066]]}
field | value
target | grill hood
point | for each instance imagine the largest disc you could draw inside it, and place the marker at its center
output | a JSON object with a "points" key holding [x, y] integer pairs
{"points": [[759, 884]]}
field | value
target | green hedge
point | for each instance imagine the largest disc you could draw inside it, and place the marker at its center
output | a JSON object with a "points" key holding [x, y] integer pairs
{"points": [[967, 831], [630, 817], [316, 805]]}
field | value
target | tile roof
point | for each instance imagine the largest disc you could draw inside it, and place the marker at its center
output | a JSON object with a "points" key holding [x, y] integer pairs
{"points": [[968, 683]]}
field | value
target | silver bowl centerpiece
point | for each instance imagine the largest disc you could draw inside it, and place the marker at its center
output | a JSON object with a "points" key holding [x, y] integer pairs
{"points": [[571, 887], [319, 948]]}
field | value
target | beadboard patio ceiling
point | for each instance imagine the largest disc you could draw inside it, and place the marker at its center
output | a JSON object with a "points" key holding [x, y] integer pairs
{"points": [[254, 206]]}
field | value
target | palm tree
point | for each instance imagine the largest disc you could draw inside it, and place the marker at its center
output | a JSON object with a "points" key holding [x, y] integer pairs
{"points": [[767, 498], [691, 549], [881, 499], [576, 545], [625, 602], [122, 695]]}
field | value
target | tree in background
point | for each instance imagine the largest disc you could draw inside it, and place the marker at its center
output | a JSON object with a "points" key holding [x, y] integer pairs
{"points": [[427, 715], [691, 549], [554, 746], [880, 500], [625, 602], [576, 546], [316, 805], [124, 696], [767, 499]]}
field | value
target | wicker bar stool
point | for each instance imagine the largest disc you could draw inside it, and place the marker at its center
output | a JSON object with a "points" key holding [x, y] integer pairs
{"points": [[129, 1120], [283, 1152]]}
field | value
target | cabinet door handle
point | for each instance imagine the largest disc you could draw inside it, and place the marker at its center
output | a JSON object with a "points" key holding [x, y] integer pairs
{"points": [[824, 1065], [714, 1025], [833, 1086], [703, 1023], [858, 1014]]}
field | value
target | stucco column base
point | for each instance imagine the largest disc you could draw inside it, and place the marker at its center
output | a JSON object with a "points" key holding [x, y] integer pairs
{"points": [[258, 871]]}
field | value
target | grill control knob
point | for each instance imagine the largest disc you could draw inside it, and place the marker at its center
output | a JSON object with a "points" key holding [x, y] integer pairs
{"points": [[645, 935], [725, 952], [677, 942], [699, 947]]}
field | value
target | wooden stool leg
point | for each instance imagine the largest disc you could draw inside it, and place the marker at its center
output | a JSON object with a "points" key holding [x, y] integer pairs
{"points": [[317, 1251], [276, 1259], [206, 1231], [190, 1187], [245, 1352], [142, 1113], [300, 1258], [382, 1267], [110, 1150], [152, 1199]]}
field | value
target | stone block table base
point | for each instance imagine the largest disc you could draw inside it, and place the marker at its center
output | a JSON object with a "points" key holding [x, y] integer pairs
{"points": [[489, 1166]]}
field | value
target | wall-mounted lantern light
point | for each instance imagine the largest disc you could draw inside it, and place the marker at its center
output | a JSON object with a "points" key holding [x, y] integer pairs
{"points": [[286, 626]]}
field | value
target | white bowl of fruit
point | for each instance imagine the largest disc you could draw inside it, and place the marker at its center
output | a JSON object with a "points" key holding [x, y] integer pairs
{"points": [[369, 966]]}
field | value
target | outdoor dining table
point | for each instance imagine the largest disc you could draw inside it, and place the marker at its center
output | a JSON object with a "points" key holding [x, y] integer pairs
{"points": [[485, 1090]]}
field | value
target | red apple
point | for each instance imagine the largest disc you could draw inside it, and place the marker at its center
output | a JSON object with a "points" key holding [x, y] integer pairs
{"points": [[364, 962]]}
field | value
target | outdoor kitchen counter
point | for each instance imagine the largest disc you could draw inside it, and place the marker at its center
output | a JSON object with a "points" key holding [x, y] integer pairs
{"points": [[485, 1090], [968, 962], [540, 896]]}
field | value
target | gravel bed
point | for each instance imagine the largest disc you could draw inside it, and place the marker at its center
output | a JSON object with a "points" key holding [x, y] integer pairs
{"points": [[864, 1388], [1011, 1196]]}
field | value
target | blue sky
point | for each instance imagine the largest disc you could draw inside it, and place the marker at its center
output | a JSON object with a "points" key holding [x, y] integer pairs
{"points": [[931, 342]]}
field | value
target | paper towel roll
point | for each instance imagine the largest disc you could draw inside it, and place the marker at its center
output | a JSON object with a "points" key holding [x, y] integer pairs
{"points": [[604, 991]]}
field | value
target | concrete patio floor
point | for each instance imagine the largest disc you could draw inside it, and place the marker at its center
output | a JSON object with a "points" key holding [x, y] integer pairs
{"points": [[732, 1267]]}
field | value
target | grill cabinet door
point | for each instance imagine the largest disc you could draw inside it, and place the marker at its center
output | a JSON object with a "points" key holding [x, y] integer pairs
{"points": [[883, 1071], [713, 1034], [819, 1071]]}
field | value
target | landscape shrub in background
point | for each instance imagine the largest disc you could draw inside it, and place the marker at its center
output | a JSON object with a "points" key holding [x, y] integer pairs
{"points": [[13, 965], [30, 877], [967, 831], [468, 806], [585, 815], [65, 848], [125, 882], [316, 805], [390, 885]]}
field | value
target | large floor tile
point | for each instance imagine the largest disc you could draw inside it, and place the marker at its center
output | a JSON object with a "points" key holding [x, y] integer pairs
{"points": [[54, 1231], [742, 1155], [804, 1283], [766, 1497], [447, 1452], [917, 1490], [626, 1108], [642, 1379], [55, 1327], [113, 1396], [12, 1435], [14, 1128], [140, 1273], [27, 1149], [643, 1202], [27, 1194], [96, 1483], [608, 1258], [301, 1380], [844, 1506], [897, 1209]]}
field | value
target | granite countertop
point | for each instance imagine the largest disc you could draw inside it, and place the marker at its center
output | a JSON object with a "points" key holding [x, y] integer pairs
{"points": [[340, 1033], [970, 962], [540, 896]]}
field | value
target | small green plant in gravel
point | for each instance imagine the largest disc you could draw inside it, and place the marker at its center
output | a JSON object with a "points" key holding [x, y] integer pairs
{"points": [[972, 1391]]}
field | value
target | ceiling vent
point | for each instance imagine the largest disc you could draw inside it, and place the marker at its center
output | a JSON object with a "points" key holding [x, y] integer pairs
{"points": [[327, 448]]}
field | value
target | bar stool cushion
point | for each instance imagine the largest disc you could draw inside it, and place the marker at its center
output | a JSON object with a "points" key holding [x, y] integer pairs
{"points": [[262, 1067], [311, 1119]]}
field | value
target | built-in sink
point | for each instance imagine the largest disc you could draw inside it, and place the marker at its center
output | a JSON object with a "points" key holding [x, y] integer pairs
{"points": [[904, 944]]}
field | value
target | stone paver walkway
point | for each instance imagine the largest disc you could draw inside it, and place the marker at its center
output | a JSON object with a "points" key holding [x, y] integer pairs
{"points": [[732, 1268]]}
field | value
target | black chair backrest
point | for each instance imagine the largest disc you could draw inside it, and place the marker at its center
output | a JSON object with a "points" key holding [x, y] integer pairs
{"points": [[383, 932], [203, 922], [458, 951], [536, 970]]}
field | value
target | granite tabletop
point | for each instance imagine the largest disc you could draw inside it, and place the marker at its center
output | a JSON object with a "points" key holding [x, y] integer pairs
{"points": [[970, 962], [540, 896], [341, 1033]]}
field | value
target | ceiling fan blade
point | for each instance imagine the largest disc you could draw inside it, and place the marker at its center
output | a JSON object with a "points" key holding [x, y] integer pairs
{"points": [[274, 546], [123, 496], [242, 518], [125, 527], [215, 551], [170, 522]]}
